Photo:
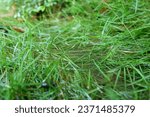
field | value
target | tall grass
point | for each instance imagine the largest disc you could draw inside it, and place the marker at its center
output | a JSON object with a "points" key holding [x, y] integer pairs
{"points": [[98, 55]]}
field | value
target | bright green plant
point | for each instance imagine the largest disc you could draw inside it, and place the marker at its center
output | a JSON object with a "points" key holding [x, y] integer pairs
{"points": [[39, 7], [47, 7]]}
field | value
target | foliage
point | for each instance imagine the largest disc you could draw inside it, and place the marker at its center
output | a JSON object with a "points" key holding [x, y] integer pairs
{"points": [[105, 55], [47, 7]]}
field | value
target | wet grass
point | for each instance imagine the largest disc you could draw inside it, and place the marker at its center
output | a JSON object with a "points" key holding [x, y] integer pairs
{"points": [[98, 56]]}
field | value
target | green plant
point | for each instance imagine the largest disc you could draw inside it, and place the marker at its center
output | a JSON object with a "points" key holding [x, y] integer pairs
{"points": [[39, 7], [47, 7], [105, 55]]}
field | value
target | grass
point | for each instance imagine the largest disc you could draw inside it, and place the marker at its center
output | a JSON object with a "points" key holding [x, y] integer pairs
{"points": [[98, 56]]}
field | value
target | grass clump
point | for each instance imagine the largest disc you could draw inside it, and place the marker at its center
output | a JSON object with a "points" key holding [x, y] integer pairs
{"points": [[101, 54]]}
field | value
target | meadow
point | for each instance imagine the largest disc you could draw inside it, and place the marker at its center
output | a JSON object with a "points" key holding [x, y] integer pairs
{"points": [[88, 50]]}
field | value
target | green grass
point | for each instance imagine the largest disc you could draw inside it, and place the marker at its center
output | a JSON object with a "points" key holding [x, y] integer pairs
{"points": [[92, 56]]}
